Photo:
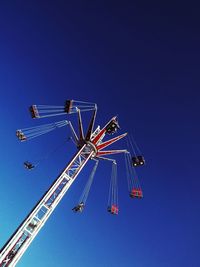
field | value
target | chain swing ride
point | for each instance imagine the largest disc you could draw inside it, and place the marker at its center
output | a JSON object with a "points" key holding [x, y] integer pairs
{"points": [[90, 146]]}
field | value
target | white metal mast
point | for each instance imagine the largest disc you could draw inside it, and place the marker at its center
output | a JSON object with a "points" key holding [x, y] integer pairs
{"points": [[24, 235], [89, 147]]}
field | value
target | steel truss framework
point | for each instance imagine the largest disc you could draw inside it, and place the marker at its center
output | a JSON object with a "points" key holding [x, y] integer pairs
{"points": [[89, 146], [25, 234]]}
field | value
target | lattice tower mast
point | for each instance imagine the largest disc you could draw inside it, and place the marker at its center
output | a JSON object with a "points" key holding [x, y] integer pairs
{"points": [[89, 147]]}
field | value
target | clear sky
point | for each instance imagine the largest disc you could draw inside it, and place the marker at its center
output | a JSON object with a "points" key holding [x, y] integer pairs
{"points": [[139, 61]]}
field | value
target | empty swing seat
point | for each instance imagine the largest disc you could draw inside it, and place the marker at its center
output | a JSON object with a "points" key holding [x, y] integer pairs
{"points": [[136, 192], [138, 161], [113, 209]]}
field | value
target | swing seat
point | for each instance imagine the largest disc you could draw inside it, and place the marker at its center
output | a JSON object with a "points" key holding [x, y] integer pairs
{"points": [[113, 210], [33, 224], [28, 165], [138, 161], [79, 207], [20, 135], [68, 105], [112, 127], [34, 112], [136, 193]]}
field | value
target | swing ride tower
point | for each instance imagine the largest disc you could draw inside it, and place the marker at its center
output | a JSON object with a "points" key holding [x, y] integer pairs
{"points": [[90, 146]]}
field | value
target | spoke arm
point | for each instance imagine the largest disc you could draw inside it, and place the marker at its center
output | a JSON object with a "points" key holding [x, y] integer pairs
{"points": [[109, 152], [111, 141], [80, 125], [73, 132], [102, 132], [91, 126]]}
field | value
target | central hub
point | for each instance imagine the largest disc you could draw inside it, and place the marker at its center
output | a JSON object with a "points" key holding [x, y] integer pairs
{"points": [[91, 147]]}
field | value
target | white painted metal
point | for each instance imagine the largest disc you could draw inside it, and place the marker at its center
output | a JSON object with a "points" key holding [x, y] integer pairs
{"points": [[26, 232], [89, 148]]}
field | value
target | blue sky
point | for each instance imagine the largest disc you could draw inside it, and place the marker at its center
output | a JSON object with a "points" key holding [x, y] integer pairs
{"points": [[139, 61]]}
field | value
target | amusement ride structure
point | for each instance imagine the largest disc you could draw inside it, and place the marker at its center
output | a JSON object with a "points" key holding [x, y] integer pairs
{"points": [[90, 146]]}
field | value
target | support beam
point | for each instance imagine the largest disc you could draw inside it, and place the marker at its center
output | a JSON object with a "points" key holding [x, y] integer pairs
{"points": [[102, 132], [111, 141], [110, 152], [91, 125], [80, 126], [26, 232]]}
